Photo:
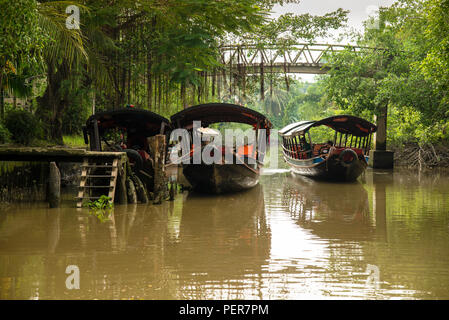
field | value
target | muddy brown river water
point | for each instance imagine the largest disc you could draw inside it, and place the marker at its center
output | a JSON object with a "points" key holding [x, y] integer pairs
{"points": [[385, 237]]}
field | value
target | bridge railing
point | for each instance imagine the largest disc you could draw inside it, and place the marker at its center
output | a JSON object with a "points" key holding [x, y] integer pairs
{"points": [[294, 58]]}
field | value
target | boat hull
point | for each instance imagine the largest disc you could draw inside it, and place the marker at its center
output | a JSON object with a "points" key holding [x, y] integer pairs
{"points": [[221, 178], [328, 169]]}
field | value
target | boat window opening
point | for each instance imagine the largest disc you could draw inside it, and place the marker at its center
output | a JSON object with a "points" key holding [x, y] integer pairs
{"points": [[294, 152], [297, 152], [294, 148], [284, 145], [368, 145], [290, 148], [289, 151], [321, 134], [365, 144], [297, 145], [283, 141], [114, 139]]}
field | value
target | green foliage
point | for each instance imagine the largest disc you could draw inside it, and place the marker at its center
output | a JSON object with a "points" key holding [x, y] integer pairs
{"points": [[103, 203], [289, 27], [409, 77], [19, 30], [74, 141], [101, 208], [155, 55], [5, 135], [79, 107], [23, 126]]}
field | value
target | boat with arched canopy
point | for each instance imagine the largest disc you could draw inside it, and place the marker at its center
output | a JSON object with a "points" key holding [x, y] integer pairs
{"points": [[235, 167], [343, 158]]}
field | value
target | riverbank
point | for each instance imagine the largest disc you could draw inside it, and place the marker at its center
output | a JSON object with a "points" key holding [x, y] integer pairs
{"points": [[424, 157]]}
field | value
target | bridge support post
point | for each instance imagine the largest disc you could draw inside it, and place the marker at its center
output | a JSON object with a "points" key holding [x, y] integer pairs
{"points": [[380, 157]]}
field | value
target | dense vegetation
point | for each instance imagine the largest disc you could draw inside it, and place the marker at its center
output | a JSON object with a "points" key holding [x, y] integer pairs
{"points": [[164, 56], [157, 55], [407, 78]]}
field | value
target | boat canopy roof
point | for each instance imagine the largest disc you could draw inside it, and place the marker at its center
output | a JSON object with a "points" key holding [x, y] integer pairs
{"points": [[219, 112], [135, 121], [342, 123]]}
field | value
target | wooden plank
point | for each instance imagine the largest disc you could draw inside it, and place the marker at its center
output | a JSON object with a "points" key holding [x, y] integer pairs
{"points": [[96, 187], [99, 176], [40, 154], [113, 182], [82, 183], [99, 166]]}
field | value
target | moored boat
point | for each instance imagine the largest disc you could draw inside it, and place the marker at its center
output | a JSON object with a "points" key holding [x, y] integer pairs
{"points": [[127, 130], [234, 167], [343, 159]]}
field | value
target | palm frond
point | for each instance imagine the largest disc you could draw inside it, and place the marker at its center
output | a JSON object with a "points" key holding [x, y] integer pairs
{"points": [[63, 42]]}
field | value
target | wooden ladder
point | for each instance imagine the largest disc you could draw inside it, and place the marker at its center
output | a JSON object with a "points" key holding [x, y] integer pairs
{"points": [[89, 179]]}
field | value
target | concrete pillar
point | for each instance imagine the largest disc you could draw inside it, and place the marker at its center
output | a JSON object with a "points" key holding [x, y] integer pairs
{"points": [[381, 133], [380, 157]]}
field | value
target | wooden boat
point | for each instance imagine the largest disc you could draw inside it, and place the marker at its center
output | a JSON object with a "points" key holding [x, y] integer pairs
{"points": [[223, 176], [127, 130], [136, 124], [343, 159]]}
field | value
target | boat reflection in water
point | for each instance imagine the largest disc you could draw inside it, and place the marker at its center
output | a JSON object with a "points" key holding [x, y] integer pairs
{"points": [[223, 243], [329, 210]]}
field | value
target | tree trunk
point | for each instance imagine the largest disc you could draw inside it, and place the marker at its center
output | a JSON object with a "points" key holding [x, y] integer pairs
{"points": [[53, 104], [2, 101]]}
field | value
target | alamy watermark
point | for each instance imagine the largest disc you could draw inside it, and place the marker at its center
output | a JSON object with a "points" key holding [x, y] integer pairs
{"points": [[73, 280], [73, 20], [208, 146]]}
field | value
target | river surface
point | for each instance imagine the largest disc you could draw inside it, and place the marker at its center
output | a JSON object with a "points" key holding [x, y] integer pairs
{"points": [[385, 237]]}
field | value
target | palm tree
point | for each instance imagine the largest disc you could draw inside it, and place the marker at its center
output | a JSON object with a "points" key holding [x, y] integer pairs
{"points": [[65, 50]]}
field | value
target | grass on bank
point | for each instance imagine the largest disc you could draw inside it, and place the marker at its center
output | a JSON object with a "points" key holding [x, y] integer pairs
{"points": [[74, 141]]}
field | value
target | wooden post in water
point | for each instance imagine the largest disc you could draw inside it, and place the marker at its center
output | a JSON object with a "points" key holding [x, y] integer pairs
{"points": [[54, 186], [157, 146], [130, 187], [121, 191]]}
